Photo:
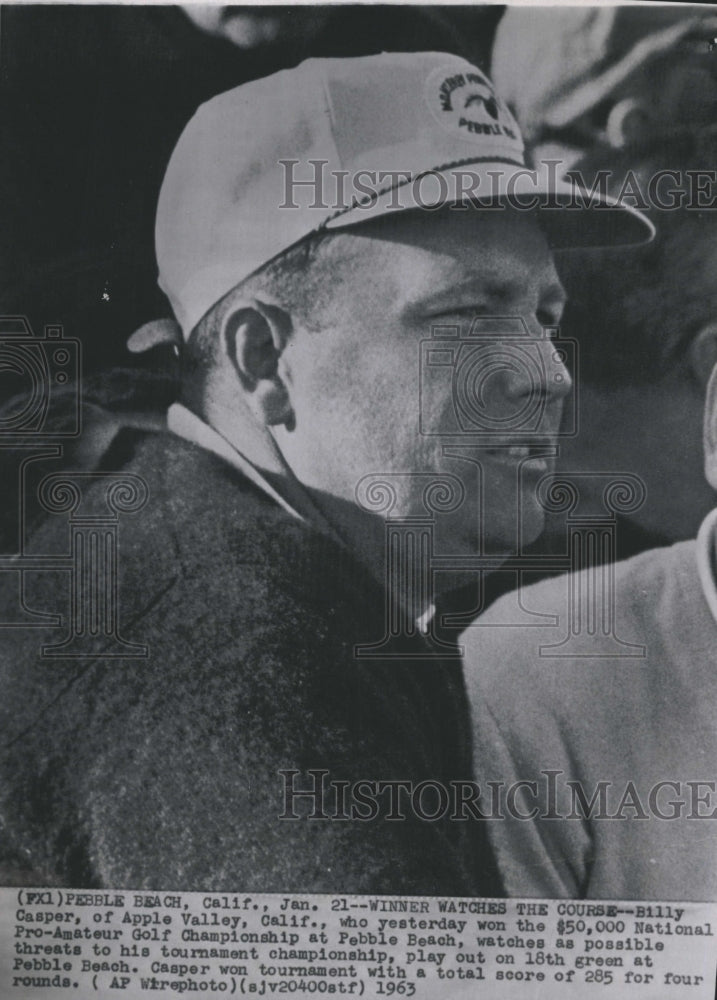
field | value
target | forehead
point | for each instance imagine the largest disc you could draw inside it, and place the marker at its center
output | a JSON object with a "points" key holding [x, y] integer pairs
{"points": [[450, 246]]}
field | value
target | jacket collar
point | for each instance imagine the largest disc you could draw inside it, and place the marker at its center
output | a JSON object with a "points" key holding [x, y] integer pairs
{"points": [[258, 458]]}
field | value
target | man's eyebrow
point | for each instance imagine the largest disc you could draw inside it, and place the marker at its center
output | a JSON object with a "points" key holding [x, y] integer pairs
{"points": [[489, 289]]}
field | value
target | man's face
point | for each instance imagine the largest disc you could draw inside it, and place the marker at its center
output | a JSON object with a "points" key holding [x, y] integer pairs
{"points": [[370, 400]]}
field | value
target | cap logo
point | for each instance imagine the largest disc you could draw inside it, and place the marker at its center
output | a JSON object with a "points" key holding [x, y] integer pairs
{"points": [[465, 102]]}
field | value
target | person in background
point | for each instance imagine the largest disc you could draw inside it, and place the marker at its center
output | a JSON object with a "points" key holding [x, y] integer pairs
{"points": [[616, 753], [587, 77]]}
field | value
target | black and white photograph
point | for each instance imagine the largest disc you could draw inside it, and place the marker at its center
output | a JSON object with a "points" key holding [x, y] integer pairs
{"points": [[358, 534]]}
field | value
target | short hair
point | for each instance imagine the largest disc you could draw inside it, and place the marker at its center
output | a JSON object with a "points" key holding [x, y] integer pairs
{"points": [[635, 312], [297, 278]]}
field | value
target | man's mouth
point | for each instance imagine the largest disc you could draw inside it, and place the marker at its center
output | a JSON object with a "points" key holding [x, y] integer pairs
{"points": [[542, 450]]}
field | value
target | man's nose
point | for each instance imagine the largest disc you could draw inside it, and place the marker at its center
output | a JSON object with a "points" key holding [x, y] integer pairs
{"points": [[539, 369]]}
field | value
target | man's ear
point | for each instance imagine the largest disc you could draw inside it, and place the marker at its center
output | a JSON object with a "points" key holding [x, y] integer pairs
{"points": [[254, 336], [703, 353], [710, 430]]}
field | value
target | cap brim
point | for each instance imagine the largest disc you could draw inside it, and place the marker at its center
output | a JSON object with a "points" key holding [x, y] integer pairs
{"points": [[571, 216], [597, 221]]}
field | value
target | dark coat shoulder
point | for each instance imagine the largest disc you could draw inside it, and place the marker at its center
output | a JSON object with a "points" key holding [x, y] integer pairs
{"points": [[165, 771]]}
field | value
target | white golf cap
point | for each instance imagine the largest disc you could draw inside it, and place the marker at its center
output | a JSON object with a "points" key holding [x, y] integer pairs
{"points": [[335, 142]]}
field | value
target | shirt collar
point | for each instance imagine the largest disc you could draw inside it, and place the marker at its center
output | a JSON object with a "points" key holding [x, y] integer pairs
{"points": [[189, 426]]}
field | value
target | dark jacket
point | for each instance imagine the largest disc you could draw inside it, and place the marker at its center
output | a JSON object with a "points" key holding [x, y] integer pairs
{"points": [[163, 772]]}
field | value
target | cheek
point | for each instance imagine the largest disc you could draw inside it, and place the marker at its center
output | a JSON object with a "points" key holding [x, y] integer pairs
{"points": [[397, 420], [367, 391], [358, 404]]}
